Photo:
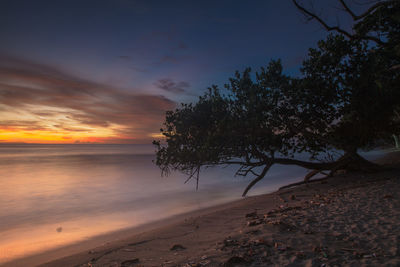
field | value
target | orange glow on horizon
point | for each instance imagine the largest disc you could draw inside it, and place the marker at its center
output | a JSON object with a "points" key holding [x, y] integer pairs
{"points": [[59, 128], [59, 125], [50, 137]]}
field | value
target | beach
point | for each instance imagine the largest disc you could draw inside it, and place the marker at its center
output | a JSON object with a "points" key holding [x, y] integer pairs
{"points": [[57, 196], [199, 133], [349, 219]]}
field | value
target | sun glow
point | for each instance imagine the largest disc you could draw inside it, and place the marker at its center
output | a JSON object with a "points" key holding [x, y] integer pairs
{"points": [[39, 124], [42, 105], [43, 136]]}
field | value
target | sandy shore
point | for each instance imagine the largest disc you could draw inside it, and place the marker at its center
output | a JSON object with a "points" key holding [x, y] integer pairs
{"points": [[351, 219]]}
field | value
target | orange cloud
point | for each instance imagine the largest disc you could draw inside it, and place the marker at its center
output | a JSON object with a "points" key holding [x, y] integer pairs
{"points": [[39, 104]]}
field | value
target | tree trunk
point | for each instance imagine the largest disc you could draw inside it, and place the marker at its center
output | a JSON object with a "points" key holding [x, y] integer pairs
{"points": [[350, 161]]}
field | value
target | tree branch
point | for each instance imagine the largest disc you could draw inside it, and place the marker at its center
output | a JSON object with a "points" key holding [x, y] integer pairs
{"points": [[338, 29], [242, 171], [255, 164], [307, 164], [311, 174], [257, 179], [196, 171], [367, 12], [352, 14]]}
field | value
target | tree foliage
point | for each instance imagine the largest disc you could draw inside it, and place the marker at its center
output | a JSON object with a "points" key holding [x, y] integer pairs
{"points": [[345, 99]]}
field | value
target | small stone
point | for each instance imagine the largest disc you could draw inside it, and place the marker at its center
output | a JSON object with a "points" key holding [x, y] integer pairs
{"points": [[177, 247], [308, 231], [254, 232], [368, 256], [204, 263], [230, 242], [235, 261], [251, 214], [317, 249], [129, 263], [253, 223], [280, 246], [269, 215], [300, 254]]}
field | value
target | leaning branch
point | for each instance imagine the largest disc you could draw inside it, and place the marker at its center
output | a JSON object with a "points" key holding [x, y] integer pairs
{"points": [[307, 164], [244, 163]]}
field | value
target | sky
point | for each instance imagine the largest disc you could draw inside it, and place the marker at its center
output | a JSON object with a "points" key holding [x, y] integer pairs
{"points": [[107, 71]]}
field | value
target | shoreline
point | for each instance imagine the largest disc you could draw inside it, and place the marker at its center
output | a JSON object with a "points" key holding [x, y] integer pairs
{"points": [[105, 239], [196, 231]]}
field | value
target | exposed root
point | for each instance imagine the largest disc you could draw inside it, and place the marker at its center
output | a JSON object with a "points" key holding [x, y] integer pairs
{"points": [[348, 162], [302, 182], [311, 174]]}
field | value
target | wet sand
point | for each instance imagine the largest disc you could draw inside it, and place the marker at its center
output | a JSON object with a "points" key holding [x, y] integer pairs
{"points": [[350, 219]]}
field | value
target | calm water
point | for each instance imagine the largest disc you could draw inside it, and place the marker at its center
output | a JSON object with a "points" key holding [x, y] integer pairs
{"points": [[53, 195]]}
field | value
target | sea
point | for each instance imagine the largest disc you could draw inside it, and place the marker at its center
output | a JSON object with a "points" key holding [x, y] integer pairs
{"points": [[56, 195]]}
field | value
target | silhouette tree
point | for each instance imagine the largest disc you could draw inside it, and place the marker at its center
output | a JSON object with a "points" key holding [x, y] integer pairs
{"points": [[379, 24], [345, 99]]}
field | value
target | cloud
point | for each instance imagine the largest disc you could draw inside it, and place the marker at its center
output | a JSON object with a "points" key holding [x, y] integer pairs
{"points": [[128, 58], [181, 46], [170, 86], [138, 69], [55, 100], [21, 125], [172, 59]]}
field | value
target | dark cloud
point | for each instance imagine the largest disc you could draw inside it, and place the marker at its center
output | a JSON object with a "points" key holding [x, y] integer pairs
{"points": [[46, 92], [129, 59], [170, 86], [70, 129], [182, 46], [138, 69], [125, 58], [171, 59]]}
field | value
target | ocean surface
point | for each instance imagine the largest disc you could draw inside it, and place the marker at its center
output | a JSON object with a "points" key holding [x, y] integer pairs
{"points": [[54, 195]]}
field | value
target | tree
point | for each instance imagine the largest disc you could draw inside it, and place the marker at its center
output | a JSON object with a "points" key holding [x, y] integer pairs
{"points": [[380, 26], [345, 99]]}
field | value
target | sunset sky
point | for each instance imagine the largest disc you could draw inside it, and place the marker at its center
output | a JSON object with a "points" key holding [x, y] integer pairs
{"points": [[106, 71]]}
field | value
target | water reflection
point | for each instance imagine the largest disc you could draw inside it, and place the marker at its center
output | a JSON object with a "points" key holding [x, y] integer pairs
{"points": [[89, 190]]}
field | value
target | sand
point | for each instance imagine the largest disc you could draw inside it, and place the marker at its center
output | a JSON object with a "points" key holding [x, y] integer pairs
{"points": [[346, 220]]}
